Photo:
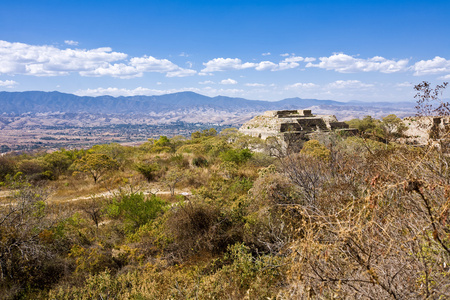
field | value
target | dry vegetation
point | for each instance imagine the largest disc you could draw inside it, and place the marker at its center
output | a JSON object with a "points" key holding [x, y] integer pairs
{"points": [[357, 217]]}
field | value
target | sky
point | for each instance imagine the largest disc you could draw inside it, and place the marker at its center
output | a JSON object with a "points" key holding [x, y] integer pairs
{"points": [[262, 50]]}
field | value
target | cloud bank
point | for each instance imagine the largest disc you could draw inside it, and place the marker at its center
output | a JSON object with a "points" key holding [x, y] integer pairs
{"points": [[344, 63], [24, 59]]}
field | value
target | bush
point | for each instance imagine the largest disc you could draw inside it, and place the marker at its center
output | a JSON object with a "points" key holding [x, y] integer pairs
{"points": [[315, 149], [199, 161], [7, 166], [199, 226], [236, 156], [136, 209], [148, 170]]}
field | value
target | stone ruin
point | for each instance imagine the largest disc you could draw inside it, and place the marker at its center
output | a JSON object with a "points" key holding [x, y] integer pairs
{"points": [[292, 127], [423, 130]]}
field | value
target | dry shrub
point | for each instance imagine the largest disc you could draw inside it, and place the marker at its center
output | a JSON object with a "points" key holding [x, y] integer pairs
{"points": [[28, 256], [238, 275], [271, 215], [197, 178], [196, 226], [391, 241]]}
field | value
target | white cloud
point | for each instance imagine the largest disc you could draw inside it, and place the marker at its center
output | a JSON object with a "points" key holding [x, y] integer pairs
{"points": [[228, 81], [265, 65], [266, 54], [141, 91], [310, 59], [349, 84], [116, 70], [224, 64], [117, 92], [24, 59], [431, 66], [8, 83], [206, 82], [285, 54], [446, 77], [184, 54], [151, 64], [289, 63], [343, 63], [71, 43], [301, 85], [294, 59], [19, 58], [255, 84], [404, 84], [181, 73]]}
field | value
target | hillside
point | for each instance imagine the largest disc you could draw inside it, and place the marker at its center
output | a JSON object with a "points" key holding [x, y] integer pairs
{"points": [[208, 218]]}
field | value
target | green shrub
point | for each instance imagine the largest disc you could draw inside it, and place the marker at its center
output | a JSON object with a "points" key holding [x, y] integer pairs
{"points": [[236, 156], [315, 149], [148, 170], [136, 209]]}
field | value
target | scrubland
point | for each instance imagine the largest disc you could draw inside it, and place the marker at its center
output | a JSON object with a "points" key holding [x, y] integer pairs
{"points": [[226, 216]]}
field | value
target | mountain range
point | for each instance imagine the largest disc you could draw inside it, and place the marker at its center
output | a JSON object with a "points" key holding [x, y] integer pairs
{"points": [[186, 106]]}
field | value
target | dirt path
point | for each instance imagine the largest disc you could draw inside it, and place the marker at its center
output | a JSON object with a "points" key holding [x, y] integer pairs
{"points": [[5, 194]]}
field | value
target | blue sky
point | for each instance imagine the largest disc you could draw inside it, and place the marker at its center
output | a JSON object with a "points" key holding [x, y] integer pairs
{"points": [[267, 50]]}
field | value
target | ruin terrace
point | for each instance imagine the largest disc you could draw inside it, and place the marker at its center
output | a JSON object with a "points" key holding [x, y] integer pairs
{"points": [[291, 125]]}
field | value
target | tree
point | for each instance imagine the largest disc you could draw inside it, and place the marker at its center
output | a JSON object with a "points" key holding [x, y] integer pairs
{"points": [[427, 97], [58, 162], [113, 150], [96, 165], [196, 135], [94, 208], [393, 127], [163, 144], [7, 166], [173, 177]]}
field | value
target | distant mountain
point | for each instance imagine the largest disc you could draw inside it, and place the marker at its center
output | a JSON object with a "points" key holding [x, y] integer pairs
{"points": [[44, 102]]}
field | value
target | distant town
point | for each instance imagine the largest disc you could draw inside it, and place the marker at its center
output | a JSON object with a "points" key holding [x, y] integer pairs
{"points": [[50, 138]]}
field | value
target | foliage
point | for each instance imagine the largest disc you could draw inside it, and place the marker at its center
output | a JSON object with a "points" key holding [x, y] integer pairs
{"points": [[96, 165], [26, 258], [393, 127], [136, 209], [362, 217], [204, 133], [198, 226], [148, 170], [368, 126], [7, 166], [200, 161], [315, 149], [173, 177], [429, 101], [58, 162], [163, 144], [236, 156]]}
